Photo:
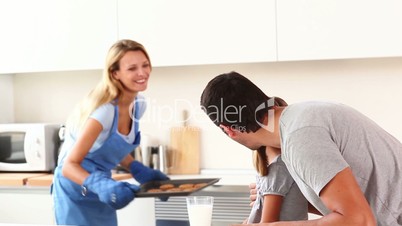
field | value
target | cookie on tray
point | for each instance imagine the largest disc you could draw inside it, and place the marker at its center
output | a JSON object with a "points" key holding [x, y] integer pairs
{"points": [[186, 186], [155, 190], [165, 187], [188, 189], [200, 185], [174, 190]]}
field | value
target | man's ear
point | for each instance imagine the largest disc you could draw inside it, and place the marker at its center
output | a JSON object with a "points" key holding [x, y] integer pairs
{"points": [[229, 131]]}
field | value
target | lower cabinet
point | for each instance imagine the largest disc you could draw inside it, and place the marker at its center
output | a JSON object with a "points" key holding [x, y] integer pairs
{"points": [[26, 206], [141, 211], [34, 206]]}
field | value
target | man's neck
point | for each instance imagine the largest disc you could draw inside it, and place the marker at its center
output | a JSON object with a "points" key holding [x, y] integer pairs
{"points": [[272, 138]]}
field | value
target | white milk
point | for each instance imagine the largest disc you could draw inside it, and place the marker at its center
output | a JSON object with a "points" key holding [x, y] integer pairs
{"points": [[200, 215]]}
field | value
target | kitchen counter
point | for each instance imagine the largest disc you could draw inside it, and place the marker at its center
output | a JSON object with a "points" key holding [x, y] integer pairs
{"points": [[29, 195], [39, 179], [40, 182], [17, 179], [227, 177]]}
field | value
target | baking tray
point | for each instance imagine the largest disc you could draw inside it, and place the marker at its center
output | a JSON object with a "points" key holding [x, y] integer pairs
{"points": [[143, 192]]}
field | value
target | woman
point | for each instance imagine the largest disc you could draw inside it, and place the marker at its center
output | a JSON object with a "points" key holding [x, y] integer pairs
{"points": [[101, 133]]}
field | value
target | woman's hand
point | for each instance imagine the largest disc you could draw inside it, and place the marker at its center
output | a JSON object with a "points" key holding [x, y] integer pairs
{"points": [[114, 193], [144, 174]]}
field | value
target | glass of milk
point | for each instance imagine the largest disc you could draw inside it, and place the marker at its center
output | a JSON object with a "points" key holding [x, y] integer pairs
{"points": [[200, 210]]}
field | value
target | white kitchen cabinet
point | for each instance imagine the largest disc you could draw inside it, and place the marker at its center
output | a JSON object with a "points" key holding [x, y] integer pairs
{"points": [[141, 211], [47, 35], [34, 206], [187, 32], [26, 206], [334, 29]]}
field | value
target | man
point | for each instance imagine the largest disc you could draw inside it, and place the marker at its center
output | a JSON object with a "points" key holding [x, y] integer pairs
{"points": [[347, 167]]}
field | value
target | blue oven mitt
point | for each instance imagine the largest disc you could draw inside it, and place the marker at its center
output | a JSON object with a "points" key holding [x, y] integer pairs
{"points": [[114, 193], [144, 174]]}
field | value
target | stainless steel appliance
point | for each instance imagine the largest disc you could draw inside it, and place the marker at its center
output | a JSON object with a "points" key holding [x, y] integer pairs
{"points": [[155, 157]]}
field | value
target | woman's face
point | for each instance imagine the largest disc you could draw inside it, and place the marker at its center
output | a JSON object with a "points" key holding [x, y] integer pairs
{"points": [[134, 71]]}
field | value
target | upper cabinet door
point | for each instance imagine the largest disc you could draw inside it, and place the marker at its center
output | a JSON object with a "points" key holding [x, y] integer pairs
{"points": [[331, 29], [185, 32], [48, 35]]}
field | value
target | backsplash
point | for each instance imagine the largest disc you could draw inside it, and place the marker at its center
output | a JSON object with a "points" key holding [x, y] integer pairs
{"points": [[6, 98], [370, 85]]}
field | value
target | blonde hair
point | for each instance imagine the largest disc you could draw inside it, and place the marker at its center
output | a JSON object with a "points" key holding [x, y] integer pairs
{"points": [[108, 87]]}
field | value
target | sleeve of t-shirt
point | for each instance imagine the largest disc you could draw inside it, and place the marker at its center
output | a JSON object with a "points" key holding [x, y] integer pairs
{"points": [[313, 156], [104, 114], [277, 182]]}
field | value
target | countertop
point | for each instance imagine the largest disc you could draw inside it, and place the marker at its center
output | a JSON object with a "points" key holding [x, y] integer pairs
{"points": [[39, 179], [227, 177]]}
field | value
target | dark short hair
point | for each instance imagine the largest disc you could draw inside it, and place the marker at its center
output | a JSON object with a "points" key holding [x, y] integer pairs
{"points": [[231, 99]]}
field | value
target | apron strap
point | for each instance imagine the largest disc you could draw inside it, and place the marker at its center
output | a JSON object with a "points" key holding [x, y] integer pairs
{"points": [[136, 117], [115, 119]]}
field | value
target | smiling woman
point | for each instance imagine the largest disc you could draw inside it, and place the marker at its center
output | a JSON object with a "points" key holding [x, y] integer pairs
{"points": [[101, 134], [133, 71]]}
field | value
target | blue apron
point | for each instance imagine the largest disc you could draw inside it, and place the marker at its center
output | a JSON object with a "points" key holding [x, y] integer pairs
{"points": [[71, 207]]}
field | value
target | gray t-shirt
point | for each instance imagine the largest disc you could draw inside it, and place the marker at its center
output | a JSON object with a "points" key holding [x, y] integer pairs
{"points": [[320, 139], [279, 182]]}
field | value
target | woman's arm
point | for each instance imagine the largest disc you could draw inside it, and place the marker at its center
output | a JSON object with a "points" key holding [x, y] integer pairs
{"points": [[72, 165], [125, 163], [271, 208]]}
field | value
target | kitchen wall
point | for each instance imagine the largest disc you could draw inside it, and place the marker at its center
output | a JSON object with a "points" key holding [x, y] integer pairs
{"points": [[373, 86], [6, 99]]}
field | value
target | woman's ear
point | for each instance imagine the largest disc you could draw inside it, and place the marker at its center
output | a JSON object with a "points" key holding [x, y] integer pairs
{"points": [[114, 75], [229, 131]]}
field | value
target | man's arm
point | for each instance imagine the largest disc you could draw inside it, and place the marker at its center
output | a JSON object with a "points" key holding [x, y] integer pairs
{"points": [[345, 200], [312, 209], [253, 197], [343, 196]]}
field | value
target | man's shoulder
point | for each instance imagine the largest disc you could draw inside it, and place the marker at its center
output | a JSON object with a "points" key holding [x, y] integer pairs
{"points": [[310, 114], [315, 105], [313, 110]]}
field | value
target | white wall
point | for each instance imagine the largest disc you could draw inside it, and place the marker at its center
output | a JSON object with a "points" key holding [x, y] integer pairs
{"points": [[50, 96], [6, 99], [373, 86]]}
